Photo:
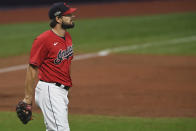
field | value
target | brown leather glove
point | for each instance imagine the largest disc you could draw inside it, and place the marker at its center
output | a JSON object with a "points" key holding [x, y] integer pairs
{"points": [[24, 112]]}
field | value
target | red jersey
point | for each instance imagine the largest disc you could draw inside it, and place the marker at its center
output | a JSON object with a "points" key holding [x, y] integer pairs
{"points": [[52, 55]]}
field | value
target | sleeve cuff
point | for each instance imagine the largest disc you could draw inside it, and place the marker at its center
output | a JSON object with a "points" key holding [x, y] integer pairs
{"points": [[34, 64]]}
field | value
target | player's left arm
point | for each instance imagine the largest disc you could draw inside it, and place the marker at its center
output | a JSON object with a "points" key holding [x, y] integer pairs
{"points": [[31, 76]]}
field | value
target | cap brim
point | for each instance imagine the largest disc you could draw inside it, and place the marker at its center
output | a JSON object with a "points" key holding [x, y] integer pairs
{"points": [[70, 11]]}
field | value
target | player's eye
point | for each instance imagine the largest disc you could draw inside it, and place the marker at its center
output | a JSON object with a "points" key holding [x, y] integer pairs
{"points": [[69, 15]]}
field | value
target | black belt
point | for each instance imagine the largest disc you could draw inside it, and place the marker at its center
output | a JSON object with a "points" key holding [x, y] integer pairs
{"points": [[59, 85]]}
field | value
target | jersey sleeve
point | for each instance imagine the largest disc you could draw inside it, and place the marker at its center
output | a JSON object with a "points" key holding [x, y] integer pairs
{"points": [[39, 52]]}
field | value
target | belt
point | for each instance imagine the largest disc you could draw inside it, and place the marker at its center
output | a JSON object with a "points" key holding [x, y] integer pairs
{"points": [[59, 85]]}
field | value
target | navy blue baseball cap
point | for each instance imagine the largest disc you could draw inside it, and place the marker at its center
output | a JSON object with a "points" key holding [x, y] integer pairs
{"points": [[60, 9]]}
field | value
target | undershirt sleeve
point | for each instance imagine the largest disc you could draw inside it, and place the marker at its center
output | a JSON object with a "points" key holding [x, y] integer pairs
{"points": [[39, 52]]}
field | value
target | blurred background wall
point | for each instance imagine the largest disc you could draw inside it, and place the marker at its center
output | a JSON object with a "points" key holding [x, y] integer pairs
{"points": [[15, 3]]}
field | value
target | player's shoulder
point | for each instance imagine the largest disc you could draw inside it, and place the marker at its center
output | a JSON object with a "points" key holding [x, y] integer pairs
{"points": [[45, 35], [43, 38]]}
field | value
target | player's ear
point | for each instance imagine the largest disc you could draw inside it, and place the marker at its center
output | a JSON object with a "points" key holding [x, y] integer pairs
{"points": [[58, 19]]}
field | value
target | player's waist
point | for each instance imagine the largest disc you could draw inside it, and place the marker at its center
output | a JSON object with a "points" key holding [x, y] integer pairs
{"points": [[58, 84]]}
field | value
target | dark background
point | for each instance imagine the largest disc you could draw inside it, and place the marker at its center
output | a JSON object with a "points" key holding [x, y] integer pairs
{"points": [[19, 3]]}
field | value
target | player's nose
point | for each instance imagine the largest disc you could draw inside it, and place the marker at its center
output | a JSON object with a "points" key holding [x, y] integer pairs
{"points": [[73, 16]]}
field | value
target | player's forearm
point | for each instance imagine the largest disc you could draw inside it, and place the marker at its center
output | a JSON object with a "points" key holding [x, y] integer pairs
{"points": [[31, 76]]}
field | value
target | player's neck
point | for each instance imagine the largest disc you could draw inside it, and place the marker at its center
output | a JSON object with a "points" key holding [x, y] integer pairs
{"points": [[59, 31]]}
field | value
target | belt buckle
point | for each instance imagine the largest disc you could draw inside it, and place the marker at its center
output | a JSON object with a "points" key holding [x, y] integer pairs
{"points": [[62, 86]]}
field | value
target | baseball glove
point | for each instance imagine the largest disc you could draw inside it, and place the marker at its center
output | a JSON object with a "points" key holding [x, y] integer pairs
{"points": [[24, 112]]}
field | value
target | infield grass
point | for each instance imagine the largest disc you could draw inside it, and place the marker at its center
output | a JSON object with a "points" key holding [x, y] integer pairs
{"points": [[97, 34], [9, 122]]}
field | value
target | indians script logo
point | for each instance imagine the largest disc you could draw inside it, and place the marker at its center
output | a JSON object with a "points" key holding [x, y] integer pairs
{"points": [[63, 54]]}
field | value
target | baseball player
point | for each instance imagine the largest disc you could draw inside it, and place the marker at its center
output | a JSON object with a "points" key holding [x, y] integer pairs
{"points": [[50, 58]]}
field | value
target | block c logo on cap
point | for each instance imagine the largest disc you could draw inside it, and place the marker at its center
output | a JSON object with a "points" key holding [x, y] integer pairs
{"points": [[57, 13]]}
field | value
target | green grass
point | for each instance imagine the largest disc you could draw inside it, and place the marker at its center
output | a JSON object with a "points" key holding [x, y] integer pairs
{"points": [[98, 34], [16, 39], [9, 122]]}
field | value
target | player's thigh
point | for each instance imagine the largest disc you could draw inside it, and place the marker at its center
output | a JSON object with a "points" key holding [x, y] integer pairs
{"points": [[55, 108]]}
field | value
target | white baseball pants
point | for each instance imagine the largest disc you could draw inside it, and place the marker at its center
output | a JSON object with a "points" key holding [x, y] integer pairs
{"points": [[53, 102]]}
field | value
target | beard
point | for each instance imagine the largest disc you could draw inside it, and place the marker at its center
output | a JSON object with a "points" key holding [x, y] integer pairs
{"points": [[67, 26]]}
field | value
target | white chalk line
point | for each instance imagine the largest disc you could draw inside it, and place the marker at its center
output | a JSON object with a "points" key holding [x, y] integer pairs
{"points": [[13, 68], [108, 51], [145, 45], [24, 66]]}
